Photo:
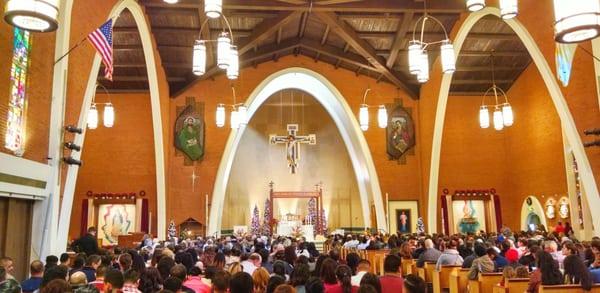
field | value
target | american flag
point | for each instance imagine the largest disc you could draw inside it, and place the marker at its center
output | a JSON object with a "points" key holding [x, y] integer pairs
{"points": [[102, 40]]}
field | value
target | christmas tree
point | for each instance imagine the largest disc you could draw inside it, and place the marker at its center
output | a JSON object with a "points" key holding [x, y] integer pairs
{"points": [[323, 223], [266, 226], [312, 214], [172, 231], [255, 222]]}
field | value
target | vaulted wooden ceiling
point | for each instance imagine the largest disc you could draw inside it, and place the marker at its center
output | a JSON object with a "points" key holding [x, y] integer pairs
{"points": [[368, 37]]}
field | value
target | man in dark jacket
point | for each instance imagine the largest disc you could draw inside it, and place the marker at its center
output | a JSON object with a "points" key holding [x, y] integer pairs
{"points": [[87, 243]]}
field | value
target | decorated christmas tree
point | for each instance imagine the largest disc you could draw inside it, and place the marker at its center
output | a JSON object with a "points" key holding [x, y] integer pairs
{"points": [[312, 214], [172, 231], [323, 223], [255, 222], [266, 226]]}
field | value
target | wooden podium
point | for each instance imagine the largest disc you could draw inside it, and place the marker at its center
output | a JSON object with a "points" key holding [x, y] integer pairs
{"points": [[132, 240]]}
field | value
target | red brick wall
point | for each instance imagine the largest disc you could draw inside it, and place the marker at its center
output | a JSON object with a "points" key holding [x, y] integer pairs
{"points": [[118, 159], [400, 181]]}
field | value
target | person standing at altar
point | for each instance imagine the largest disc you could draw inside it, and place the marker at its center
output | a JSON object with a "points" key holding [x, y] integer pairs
{"points": [[87, 243]]}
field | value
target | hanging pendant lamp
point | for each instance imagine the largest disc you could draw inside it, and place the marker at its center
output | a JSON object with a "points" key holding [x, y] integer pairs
{"points": [[32, 15], [576, 20]]}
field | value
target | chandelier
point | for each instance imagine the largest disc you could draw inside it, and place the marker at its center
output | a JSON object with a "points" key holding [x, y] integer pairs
{"points": [[503, 114], [32, 15], [238, 117], [108, 114], [508, 8], [227, 52], [363, 114], [576, 21], [418, 59]]}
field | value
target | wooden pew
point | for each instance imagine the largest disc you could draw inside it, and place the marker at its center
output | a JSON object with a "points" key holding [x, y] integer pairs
{"points": [[458, 280], [485, 282], [514, 285], [427, 271], [407, 267], [441, 279], [568, 288]]}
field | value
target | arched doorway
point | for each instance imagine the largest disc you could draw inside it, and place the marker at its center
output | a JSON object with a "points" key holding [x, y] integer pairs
{"points": [[341, 113], [568, 125]]}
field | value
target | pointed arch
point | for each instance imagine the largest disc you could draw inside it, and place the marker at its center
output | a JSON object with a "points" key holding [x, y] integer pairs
{"points": [[341, 113], [560, 104]]}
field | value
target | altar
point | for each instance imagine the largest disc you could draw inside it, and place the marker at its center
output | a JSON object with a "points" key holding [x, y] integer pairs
{"points": [[296, 229], [296, 225]]}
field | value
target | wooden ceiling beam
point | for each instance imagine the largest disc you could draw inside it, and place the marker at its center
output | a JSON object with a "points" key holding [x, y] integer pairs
{"points": [[479, 81], [303, 22], [363, 48], [334, 52], [265, 29], [371, 6], [325, 35], [400, 35], [488, 68]]}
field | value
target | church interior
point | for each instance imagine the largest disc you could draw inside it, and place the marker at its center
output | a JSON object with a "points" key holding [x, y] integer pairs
{"points": [[295, 117]]}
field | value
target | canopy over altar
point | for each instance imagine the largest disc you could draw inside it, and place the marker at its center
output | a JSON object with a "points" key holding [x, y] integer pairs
{"points": [[296, 225]]}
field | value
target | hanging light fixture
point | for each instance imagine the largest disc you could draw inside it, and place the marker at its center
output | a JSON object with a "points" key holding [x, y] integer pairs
{"points": [[363, 114], [92, 118], [109, 115], [223, 50], [363, 117], [233, 70], [509, 8], [382, 117], [213, 8], [448, 58], [32, 15], [220, 115], [484, 117], [235, 121], [475, 5], [576, 21], [503, 113], [242, 114], [171, 1], [418, 60], [199, 58], [227, 53]]}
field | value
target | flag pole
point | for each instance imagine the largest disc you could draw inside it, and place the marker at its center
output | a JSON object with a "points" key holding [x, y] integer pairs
{"points": [[70, 50]]}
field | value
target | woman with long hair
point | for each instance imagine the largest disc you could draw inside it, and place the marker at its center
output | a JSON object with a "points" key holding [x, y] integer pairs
{"points": [[318, 264], [547, 272], [577, 273], [405, 251], [328, 275], [371, 280], [299, 277], [150, 280], [219, 261]]}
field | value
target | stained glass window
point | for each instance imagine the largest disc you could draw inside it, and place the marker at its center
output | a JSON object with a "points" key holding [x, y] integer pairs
{"points": [[15, 130]]}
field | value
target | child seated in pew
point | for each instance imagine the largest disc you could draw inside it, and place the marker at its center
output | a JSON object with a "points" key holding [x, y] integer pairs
{"points": [[522, 272], [507, 273]]}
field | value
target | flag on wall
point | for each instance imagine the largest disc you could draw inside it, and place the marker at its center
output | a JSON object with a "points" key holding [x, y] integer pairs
{"points": [[102, 40], [564, 59]]}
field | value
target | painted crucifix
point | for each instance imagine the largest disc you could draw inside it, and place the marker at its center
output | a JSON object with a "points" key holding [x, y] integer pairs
{"points": [[292, 143]]}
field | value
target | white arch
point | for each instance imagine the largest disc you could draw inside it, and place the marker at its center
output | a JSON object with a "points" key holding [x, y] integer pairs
{"points": [[568, 125], [537, 208], [335, 104], [146, 37]]}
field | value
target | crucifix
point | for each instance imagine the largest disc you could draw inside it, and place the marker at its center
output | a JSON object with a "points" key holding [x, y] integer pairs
{"points": [[292, 143]]}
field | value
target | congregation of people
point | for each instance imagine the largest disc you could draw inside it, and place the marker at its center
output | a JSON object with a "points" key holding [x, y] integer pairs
{"points": [[260, 264]]}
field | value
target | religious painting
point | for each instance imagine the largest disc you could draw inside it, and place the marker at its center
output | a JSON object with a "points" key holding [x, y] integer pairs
{"points": [[400, 133], [115, 220], [189, 133], [403, 215], [563, 207], [403, 221], [469, 215]]}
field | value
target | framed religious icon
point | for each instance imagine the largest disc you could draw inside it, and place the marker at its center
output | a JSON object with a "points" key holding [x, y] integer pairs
{"points": [[550, 208], [189, 133], [563, 207], [400, 132], [403, 215]]}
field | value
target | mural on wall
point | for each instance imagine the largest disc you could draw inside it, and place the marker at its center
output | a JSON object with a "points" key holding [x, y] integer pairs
{"points": [[400, 132], [189, 132], [563, 207], [467, 214], [550, 209], [115, 220]]}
